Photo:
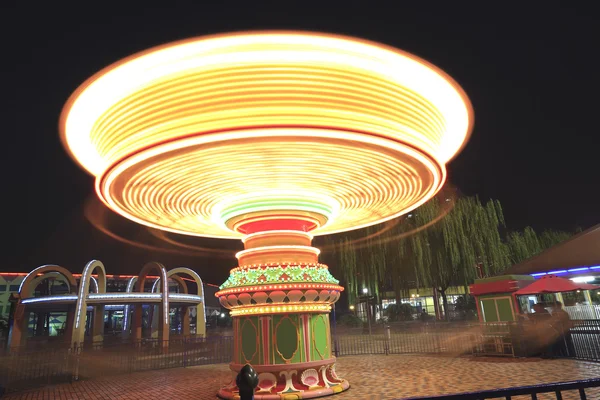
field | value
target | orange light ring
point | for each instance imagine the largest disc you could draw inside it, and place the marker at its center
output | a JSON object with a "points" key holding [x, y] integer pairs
{"points": [[178, 186], [277, 249], [280, 287], [279, 233], [171, 63]]}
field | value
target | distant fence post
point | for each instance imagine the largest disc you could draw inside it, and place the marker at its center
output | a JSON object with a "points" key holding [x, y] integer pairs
{"points": [[75, 350], [388, 339], [246, 381], [184, 363]]}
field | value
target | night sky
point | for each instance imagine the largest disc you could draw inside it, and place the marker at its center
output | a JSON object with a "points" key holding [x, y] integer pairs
{"points": [[531, 74]]}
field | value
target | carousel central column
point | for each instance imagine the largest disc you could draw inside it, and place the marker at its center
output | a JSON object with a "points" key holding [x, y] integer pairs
{"points": [[280, 298]]}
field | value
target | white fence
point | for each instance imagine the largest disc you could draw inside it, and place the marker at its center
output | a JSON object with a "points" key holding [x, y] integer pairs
{"points": [[583, 312]]}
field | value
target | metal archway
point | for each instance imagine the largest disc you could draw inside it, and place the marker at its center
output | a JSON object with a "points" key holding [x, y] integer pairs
{"points": [[81, 304]]}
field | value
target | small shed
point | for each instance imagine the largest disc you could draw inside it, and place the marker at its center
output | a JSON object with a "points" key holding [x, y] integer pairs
{"points": [[494, 297]]}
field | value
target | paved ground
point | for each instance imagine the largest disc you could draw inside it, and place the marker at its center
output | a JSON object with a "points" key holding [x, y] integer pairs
{"points": [[371, 377]]}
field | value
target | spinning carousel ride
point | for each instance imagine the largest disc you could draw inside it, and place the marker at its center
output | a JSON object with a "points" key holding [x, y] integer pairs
{"points": [[271, 138]]}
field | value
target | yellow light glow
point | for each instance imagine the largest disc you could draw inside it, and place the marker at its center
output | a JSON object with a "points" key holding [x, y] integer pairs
{"points": [[279, 233], [258, 250], [177, 133], [278, 309]]}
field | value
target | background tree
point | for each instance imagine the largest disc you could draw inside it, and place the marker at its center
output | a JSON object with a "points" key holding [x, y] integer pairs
{"points": [[446, 242], [526, 244]]}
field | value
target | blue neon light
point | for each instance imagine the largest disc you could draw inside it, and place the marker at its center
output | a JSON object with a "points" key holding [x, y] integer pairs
{"points": [[565, 271]]}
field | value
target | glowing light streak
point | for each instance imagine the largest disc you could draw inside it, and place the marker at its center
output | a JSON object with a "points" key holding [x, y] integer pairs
{"points": [[114, 296], [185, 136], [82, 293], [269, 288], [583, 279], [276, 232], [190, 297], [283, 308], [263, 249], [187, 187], [126, 313], [34, 272], [48, 299], [578, 269], [262, 66], [118, 296], [95, 282]]}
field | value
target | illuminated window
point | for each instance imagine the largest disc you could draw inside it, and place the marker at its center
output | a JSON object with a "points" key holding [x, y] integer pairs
{"points": [[14, 288], [2, 288]]}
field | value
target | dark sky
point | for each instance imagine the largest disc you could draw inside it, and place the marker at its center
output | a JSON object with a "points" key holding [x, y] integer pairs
{"points": [[531, 73]]}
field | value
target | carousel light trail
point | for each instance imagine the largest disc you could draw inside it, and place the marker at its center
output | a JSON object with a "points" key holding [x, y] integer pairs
{"points": [[269, 137]]}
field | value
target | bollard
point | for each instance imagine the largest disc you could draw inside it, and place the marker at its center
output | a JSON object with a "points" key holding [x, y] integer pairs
{"points": [[246, 381]]}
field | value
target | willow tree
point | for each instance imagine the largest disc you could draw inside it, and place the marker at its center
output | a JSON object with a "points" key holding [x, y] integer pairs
{"points": [[517, 246], [438, 245], [448, 252], [526, 244], [551, 238]]}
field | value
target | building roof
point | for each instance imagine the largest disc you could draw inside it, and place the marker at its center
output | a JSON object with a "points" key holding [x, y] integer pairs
{"points": [[582, 250]]}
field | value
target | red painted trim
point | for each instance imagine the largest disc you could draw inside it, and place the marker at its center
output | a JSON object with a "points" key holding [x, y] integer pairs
{"points": [[265, 338], [305, 318], [505, 286]]}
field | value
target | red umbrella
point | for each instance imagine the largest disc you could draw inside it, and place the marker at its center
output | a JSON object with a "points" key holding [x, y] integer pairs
{"points": [[554, 284]]}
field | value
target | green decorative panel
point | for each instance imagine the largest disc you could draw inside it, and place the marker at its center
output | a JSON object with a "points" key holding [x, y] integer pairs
{"points": [[504, 310], [249, 330], [319, 326], [279, 274], [287, 339], [489, 310]]}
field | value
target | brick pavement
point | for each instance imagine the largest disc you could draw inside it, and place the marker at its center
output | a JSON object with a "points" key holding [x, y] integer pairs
{"points": [[371, 377]]}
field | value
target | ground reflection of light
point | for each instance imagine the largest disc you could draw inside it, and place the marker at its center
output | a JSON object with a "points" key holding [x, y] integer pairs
{"points": [[98, 216]]}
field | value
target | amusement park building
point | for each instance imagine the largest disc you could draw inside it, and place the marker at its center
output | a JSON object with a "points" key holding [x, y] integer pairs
{"points": [[578, 257], [52, 321]]}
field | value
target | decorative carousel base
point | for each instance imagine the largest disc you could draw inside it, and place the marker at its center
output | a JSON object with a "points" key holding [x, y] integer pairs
{"points": [[292, 381]]}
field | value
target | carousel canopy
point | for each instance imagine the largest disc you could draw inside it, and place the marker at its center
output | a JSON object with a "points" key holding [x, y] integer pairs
{"points": [[554, 284]]}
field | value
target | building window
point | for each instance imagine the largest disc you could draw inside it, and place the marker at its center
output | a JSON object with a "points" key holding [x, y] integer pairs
{"points": [[14, 288], [2, 288]]}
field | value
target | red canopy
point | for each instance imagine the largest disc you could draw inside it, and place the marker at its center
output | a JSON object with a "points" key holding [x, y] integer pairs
{"points": [[554, 284]]}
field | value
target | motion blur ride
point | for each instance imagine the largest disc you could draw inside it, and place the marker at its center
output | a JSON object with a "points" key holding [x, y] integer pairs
{"points": [[269, 137]]}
